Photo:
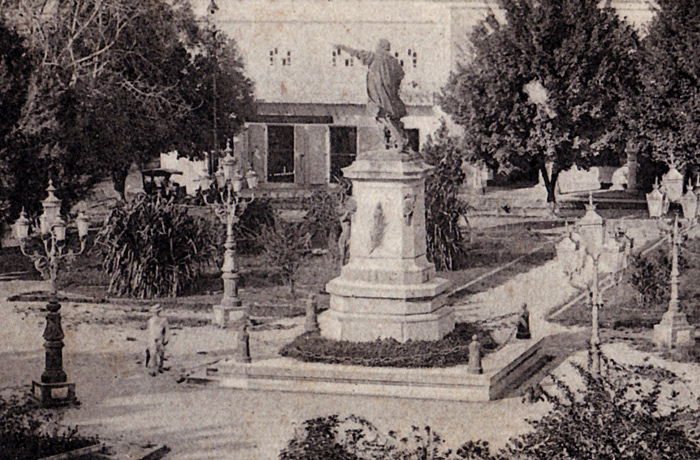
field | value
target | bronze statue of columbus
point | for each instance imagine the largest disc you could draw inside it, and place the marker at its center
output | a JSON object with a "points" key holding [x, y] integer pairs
{"points": [[383, 83]]}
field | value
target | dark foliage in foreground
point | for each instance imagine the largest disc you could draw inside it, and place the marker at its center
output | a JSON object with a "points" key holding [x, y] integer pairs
{"points": [[631, 413], [450, 351], [28, 433]]}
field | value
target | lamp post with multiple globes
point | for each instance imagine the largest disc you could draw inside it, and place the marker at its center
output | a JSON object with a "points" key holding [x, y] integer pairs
{"points": [[228, 206], [584, 256], [53, 388]]}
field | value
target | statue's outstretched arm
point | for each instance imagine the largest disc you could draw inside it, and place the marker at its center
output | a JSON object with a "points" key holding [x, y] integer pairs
{"points": [[365, 56]]}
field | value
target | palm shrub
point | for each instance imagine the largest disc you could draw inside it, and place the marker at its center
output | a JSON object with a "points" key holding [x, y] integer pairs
{"points": [[444, 209], [286, 245], [152, 247], [257, 214]]}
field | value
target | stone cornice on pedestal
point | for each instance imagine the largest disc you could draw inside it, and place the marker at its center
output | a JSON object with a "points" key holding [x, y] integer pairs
{"points": [[387, 165]]}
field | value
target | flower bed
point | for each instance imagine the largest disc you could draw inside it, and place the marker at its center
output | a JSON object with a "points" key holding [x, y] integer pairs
{"points": [[452, 350]]}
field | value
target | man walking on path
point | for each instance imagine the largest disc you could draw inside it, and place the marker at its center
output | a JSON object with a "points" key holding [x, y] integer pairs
{"points": [[158, 332]]}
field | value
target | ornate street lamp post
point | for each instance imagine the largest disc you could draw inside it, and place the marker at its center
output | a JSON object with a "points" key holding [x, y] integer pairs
{"points": [[674, 329], [229, 206], [583, 257], [53, 388]]}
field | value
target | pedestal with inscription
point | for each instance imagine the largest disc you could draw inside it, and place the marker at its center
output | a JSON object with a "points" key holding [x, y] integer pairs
{"points": [[388, 289]]}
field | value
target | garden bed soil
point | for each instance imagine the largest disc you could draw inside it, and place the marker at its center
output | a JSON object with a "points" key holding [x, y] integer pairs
{"points": [[452, 350]]}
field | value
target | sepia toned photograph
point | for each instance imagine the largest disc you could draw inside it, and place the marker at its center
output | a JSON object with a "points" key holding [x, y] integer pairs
{"points": [[349, 229]]}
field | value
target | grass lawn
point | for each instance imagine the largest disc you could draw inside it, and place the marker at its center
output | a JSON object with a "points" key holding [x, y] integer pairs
{"points": [[622, 319], [492, 248], [261, 286]]}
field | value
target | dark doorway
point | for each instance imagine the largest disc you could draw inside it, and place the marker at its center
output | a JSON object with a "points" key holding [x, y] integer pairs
{"points": [[280, 153], [343, 149], [413, 139]]}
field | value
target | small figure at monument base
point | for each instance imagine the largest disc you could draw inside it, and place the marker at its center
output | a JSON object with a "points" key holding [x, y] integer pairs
{"points": [[474, 366], [523, 328], [347, 208]]}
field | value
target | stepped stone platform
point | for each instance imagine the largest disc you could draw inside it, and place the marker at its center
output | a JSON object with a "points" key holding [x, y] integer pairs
{"points": [[503, 370]]}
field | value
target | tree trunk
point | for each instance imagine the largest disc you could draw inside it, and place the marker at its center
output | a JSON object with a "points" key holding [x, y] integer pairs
{"points": [[550, 183]]}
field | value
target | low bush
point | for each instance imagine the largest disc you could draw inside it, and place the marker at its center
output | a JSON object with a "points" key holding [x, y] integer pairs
{"points": [[286, 245], [650, 276], [354, 438], [322, 217], [152, 247], [256, 215], [452, 350], [444, 209], [28, 433]]}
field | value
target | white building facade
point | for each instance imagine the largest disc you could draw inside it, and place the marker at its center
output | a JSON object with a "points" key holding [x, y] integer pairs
{"points": [[312, 117]]}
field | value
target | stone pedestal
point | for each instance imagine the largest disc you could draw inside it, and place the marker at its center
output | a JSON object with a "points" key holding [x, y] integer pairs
{"points": [[674, 331], [388, 288]]}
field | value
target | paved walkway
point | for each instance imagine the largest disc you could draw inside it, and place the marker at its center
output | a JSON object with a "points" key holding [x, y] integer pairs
{"points": [[120, 401]]}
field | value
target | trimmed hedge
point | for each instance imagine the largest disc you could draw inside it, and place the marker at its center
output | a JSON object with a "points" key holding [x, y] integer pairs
{"points": [[452, 350]]}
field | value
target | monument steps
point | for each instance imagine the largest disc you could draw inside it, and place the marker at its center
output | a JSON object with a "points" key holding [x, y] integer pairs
{"points": [[504, 370]]}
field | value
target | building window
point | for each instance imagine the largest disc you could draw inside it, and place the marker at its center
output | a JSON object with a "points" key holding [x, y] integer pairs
{"points": [[413, 139], [277, 57], [343, 146], [280, 153], [287, 60], [338, 60], [408, 60]]}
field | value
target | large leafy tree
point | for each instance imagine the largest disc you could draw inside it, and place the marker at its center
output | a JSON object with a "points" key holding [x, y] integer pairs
{"points": [[665, 113], [543, 85], [15, 65], [113, 82]]}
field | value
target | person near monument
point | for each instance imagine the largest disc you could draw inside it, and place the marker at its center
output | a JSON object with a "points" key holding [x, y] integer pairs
{"points": [[523, 327], [348, 207], [384, 77], [158, 337], [474, 364]]}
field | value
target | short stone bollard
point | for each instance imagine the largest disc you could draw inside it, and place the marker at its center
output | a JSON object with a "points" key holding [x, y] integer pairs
{"points": [[242, 352], [311, 324], [474, 366]]}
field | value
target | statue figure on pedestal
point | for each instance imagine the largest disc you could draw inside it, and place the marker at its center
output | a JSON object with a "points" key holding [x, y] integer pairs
{"points": [[348, 207], [383, 83]]}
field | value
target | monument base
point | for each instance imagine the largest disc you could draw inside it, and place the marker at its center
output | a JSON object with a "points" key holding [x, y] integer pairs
{"points": [[362, 327], [388, 289], [366, 311], [674, 331], [503, 372], [54, 394]]}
